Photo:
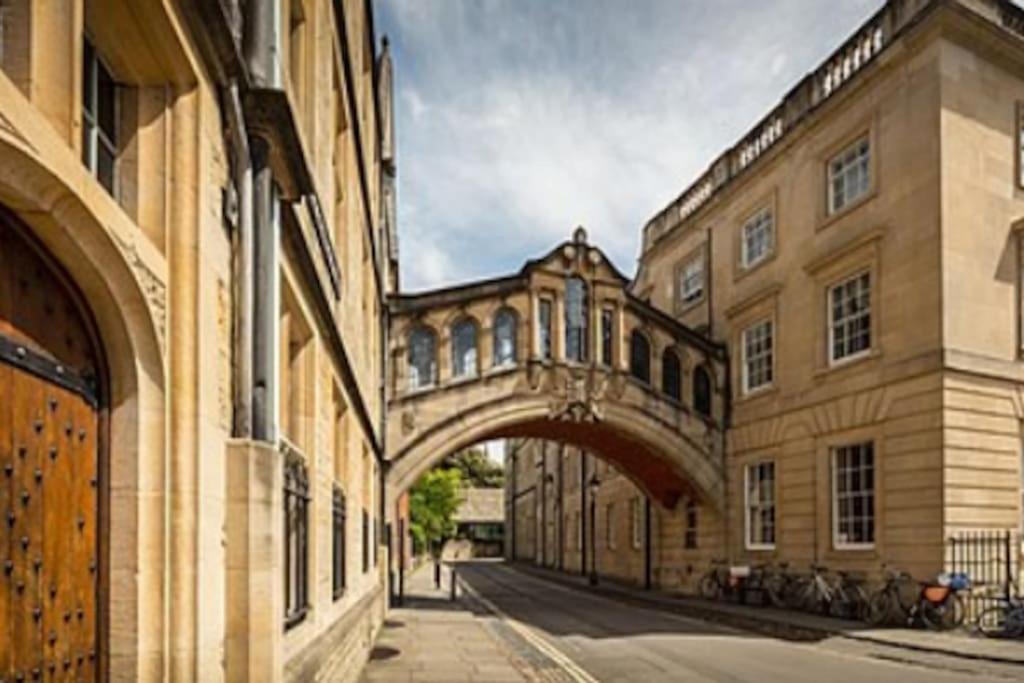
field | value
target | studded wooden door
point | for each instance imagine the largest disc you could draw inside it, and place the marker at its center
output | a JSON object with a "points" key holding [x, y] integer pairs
{"points": [[50, 422]]}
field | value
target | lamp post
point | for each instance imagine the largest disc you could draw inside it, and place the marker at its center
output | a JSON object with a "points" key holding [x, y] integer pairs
{"points": [[593, 485]]}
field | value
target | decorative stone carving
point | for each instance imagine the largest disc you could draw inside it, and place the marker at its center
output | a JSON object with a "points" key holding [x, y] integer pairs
{"points": [[153, 288], [578, 397], [408, 422]]}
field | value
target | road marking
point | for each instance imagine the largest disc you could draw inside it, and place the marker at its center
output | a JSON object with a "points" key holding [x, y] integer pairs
{"points": [[532, 637]]}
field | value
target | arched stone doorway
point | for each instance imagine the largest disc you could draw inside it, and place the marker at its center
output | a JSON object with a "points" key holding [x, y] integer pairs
{"points": [[52, 453]]}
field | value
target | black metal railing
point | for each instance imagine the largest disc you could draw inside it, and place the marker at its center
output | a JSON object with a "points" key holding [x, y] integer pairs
{"points": [[296, 536], [991, 560]]}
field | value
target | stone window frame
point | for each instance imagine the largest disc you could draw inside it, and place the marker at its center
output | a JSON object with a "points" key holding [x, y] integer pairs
{"points": [[767, 203], [866, 129], [861, 254], [770, 504], [695, 255], [636, 523], [834, 496], [831, 323], [339, 554], [767, 322]]}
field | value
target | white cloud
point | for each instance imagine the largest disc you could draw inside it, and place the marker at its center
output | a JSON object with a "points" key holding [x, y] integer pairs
{"points": [[520, 119]]}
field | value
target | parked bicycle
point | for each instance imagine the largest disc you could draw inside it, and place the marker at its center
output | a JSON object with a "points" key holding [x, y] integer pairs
{"points": [[1004, 620], [716, 582], [811, 593], [937, 605], [849, 599], [773, 581]]}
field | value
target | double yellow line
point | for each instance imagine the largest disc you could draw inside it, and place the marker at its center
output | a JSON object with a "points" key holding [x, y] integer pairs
{"points": [[531, 636]]}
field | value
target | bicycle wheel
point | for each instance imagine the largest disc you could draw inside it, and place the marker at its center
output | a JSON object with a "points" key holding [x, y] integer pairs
{"points": [[775, 590], [880, 608], [793, 594], [992, 622], [945, 615], [710, 588]]}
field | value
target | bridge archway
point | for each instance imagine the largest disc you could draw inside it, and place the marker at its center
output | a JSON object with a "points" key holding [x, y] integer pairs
{"points": [[570, 375]]}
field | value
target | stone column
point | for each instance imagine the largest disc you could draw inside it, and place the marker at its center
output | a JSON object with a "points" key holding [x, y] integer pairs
{"points": [[255, 562]]}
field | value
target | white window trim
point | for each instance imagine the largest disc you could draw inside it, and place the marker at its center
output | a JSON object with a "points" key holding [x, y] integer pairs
{"points": [[686, 297], [834, 487], [744, 369], [834, 362], [832, 209], [748, 544], [753, 219]]}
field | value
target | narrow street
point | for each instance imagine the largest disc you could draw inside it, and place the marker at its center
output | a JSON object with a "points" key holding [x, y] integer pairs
{"points": [[547, 631]]}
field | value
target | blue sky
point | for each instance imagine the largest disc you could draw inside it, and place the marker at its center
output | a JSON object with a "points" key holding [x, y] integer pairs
{"points": [[520, 119]]}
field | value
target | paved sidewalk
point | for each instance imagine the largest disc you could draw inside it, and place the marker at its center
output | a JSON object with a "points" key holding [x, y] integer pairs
{"points": [[432, 639], [800, 626]]}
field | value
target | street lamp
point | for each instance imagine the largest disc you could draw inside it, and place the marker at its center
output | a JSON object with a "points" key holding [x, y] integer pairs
{"points": [[593, 485]]}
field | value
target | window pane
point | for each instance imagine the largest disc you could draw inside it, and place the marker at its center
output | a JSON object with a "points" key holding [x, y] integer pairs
{"points": [[464, 349], [105, 165], [576, 314], [545, 329]]}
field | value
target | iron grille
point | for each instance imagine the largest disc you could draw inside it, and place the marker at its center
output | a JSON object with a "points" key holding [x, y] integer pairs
{"points": [[296, 536]]}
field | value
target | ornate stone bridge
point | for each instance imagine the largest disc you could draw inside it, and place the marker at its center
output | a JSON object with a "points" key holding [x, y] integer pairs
{"points": [[563, 351]]}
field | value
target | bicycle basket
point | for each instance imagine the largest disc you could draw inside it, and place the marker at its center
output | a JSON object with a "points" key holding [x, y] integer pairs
{"points": [[936, 594]]}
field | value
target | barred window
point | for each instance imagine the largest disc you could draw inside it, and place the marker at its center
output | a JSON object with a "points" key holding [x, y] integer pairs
{"points": [[758, 237], [758, 345], [607, 330], [849, 175], [544, 323], [690, 531], [853, 470], [691, 280], [366, 541], [577, 314], [296, 538], [760, 504], [338, 543], [850, 318]]}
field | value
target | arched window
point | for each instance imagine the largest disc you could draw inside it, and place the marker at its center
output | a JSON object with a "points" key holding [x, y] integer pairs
{"points": [[422, 358], [464, 348], [640, 357], [702, 391], [576, 318], [505, 337], [671, 375]]}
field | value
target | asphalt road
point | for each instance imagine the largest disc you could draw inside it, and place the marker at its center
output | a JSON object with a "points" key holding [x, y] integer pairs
{"points": [[595, 638]]}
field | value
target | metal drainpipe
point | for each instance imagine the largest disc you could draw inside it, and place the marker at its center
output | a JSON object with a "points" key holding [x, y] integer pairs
{"points": [[242, 264], [261, 36]]}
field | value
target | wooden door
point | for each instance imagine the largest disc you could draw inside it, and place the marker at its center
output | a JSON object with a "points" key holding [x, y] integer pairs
{"points": [[50, 441]]}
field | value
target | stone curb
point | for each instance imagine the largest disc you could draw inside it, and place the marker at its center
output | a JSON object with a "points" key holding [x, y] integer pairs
{"points": [[764, 623]]}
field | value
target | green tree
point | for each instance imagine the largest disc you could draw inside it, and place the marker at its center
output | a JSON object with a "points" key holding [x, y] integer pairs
{"points": [[478, 470], [433, 501]]}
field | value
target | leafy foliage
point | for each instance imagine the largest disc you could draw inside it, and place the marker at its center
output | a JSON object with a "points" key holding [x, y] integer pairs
{"points": [[478, 470], [433, 501]]}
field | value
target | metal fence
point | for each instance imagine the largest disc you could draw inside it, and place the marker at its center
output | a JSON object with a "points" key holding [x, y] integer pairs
{"points": [[991, 560]]}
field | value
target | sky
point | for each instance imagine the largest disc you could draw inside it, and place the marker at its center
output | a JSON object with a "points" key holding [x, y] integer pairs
{"points": [[518, 120]]}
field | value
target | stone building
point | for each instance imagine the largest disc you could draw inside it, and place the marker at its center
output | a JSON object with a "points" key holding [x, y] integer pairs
{"points": [[859, 252], [196, 241]]}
